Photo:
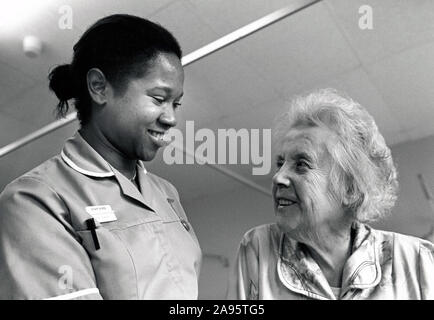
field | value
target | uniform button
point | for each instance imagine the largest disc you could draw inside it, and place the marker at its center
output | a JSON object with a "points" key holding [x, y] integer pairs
{"points": [[185, 224]]}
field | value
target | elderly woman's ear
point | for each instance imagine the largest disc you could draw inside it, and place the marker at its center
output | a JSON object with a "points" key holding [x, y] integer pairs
{"points": [[351, 195], [353, 200]]}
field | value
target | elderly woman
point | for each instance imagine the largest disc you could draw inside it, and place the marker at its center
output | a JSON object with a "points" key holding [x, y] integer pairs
{"points": [[334, 175]]}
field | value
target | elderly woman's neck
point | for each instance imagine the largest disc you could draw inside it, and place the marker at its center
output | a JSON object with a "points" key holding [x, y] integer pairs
{"points": [[331, 252]]}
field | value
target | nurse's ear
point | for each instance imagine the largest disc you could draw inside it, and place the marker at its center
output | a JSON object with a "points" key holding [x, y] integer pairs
{"points": [[97, 86]]}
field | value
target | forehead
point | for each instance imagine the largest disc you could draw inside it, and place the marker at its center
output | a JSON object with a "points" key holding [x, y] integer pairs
{"points": [[311, 140], [164, 72], [165, 65]]}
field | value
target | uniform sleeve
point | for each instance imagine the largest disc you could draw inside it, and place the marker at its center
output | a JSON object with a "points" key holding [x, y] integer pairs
{"points": [[243, 278], [426, 270], [40, 258]]}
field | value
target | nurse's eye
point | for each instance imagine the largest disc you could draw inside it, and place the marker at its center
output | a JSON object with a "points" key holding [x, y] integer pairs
{"points": [[158, 100], [177, 105]]}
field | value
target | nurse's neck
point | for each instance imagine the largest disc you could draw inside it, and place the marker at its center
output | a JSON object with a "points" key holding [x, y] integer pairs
{"points": [[96, 139]]}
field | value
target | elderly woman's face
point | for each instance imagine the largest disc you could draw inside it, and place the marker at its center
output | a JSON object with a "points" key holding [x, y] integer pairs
{"points": [[303, 201]]}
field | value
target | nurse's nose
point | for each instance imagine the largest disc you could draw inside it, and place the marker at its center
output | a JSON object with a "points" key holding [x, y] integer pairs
{"points": [[168, 117]]}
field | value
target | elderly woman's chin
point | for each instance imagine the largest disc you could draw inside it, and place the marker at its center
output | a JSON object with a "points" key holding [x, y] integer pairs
{"points": [[288, 220]]}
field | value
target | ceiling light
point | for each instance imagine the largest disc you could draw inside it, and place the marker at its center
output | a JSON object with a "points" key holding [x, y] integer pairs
{"points": [[32, 46]]}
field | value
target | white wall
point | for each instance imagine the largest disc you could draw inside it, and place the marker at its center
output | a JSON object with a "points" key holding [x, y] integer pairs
{"points": [[220, 220]]}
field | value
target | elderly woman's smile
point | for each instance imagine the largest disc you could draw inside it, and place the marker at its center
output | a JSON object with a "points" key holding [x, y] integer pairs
{"points": [[282, 202]]}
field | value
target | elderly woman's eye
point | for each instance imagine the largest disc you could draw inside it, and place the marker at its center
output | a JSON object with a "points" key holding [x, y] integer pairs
{"points": [[302, 165], [279, 162]]}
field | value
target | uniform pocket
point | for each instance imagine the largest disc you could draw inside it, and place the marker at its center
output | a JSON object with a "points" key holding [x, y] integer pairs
{"points": [[112, 264]]}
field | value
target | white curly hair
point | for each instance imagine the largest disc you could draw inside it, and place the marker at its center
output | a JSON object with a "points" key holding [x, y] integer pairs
{"points": [[363, 176]]}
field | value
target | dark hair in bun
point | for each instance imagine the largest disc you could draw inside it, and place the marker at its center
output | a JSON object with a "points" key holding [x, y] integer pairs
{"points": [[62, 84], [121, 46]]}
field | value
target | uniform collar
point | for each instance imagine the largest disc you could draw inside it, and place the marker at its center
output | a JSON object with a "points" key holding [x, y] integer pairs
{"points": [[81, 157], [300, 273]]}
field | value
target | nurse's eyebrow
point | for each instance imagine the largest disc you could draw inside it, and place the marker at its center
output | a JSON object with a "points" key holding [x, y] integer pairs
{"points": [[168, 90]]}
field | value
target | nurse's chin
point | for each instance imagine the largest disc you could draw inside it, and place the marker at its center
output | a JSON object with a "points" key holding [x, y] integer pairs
{"points": [[148, 155]]}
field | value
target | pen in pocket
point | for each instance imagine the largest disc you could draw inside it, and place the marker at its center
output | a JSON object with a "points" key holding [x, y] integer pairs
{"points": [[92, 226]]}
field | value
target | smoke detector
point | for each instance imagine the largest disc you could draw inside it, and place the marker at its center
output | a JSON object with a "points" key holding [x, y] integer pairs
{"points": [[32, 46]]}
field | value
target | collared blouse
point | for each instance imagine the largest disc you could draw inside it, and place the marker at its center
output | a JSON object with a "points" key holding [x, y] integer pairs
{"points": [[76, 228], [383, 265]]}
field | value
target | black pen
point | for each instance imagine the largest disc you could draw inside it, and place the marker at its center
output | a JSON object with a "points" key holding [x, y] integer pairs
{"points": [[92, 226]]}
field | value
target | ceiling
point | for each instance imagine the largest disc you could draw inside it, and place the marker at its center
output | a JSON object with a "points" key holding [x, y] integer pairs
{"points": [[388, 69]]}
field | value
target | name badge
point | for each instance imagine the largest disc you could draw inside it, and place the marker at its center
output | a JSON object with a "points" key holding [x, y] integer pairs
{"points": [[101, 213]]}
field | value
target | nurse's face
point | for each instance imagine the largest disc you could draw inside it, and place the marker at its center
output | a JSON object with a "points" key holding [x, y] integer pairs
{"points": [[136, 121], [303, 202]]}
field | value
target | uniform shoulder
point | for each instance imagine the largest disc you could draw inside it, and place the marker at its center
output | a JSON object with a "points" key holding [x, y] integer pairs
{"points": [[41, 173], [38, 173], [27, 202], [32, 188]]}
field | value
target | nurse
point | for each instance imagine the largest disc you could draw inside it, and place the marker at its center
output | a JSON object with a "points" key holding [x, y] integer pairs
{"points": [[91, 222]]}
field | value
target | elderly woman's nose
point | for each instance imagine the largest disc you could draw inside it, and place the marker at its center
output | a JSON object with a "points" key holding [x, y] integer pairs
{"points": [[168, 117], [281, 178]]}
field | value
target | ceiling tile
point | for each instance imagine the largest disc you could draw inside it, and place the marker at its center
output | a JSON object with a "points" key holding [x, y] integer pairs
{"points": [[224, 19], [230, 82], [359, 87], [405, 82], [397, 25], [180, 18], [258, 117], [199, 102], [299, 51], [85, 14]]}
